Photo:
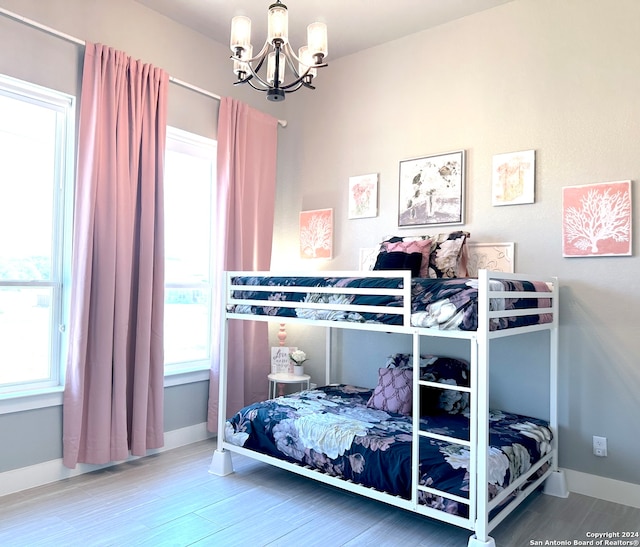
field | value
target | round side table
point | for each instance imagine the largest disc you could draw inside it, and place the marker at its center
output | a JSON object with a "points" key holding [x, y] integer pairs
{"points": [[286, 378]]}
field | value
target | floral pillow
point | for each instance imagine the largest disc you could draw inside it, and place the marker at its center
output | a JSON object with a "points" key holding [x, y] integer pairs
{"points": [[445, 370], [394, 392], [448, 256]]}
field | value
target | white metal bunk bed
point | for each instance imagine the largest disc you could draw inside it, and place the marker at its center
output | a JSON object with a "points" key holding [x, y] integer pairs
{"points": [[479, 506]]}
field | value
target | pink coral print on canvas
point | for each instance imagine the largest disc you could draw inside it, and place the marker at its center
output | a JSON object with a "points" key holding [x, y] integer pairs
{"points": [[316, 233], [597, 219]]}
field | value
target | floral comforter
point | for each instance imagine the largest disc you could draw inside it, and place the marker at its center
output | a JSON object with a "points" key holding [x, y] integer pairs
{"points": [[448, 304], [332, 429]]}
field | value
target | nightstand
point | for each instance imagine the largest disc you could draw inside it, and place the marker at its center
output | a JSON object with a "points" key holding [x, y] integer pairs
{"points": [[286, 378]]}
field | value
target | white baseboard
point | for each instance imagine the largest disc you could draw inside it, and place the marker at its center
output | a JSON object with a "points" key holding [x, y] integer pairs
{"points": [[53, 470], [616, 491]]}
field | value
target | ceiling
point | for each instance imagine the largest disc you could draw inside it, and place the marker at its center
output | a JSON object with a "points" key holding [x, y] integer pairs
{"points": [[353, 25]]}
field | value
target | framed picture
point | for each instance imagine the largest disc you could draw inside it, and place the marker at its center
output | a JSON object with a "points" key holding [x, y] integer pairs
{"points": [[495, 257], [363, 196], [280, 362], [316, 233], [513, 178], [367, 257], [596, 219], [432, 190]]}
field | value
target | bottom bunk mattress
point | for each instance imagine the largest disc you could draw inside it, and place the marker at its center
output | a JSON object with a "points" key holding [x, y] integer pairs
{"points": [[332, 429]]}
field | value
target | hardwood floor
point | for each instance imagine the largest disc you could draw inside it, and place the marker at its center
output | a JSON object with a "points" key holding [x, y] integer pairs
{"points": [[170, 499]]}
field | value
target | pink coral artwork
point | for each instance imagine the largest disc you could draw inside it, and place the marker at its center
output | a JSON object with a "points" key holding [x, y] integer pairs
{"points": [[316, 233], [597, 219], [363, 196]]}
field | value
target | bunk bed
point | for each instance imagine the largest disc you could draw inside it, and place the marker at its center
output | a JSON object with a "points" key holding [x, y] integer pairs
{"points": [[322, 433]]}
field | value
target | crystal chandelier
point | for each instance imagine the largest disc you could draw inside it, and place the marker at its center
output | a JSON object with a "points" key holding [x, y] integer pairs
{"points": [[278, 53]]}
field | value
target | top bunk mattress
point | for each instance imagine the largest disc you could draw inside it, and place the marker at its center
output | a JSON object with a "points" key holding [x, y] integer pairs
{"points": [[443, 303]]}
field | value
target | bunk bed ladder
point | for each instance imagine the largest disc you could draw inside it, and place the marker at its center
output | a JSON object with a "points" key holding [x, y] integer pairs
{"points": [[471, 444]]}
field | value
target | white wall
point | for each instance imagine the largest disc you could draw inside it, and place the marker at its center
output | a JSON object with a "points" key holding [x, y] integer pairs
{"points": [[561, 77]]}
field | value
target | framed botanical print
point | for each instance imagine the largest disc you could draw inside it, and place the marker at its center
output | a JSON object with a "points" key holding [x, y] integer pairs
{"points": [[432, 190], [513, 178], [363, 196]]}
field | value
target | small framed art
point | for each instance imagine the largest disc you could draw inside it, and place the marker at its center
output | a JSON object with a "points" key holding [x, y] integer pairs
{"points": [[432, 190], [513, 178], [596, 219], [363, 196], [316, 233], [495, 257], [280, 362]]}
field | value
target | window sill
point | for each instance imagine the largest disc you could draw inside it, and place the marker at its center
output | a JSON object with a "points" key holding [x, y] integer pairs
{"points": [[44, 398], [186, 376], [31, 400]]}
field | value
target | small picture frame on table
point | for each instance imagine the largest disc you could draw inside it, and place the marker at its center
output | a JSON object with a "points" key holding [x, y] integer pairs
{"points": [[280, 362]]}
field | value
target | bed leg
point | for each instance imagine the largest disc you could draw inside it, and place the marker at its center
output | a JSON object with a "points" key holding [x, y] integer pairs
{"points": [[475, 542], [221, 463], [556, 485]]}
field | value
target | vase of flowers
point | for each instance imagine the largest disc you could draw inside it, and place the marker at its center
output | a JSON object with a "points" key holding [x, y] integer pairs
{"points": [[298, 357]]}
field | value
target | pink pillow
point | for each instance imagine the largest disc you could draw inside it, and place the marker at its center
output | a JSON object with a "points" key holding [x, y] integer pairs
{"points": [[394, 392], [422, 246]]}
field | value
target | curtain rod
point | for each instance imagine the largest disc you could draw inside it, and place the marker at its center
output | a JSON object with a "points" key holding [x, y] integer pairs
{"points": [[78, 41]]}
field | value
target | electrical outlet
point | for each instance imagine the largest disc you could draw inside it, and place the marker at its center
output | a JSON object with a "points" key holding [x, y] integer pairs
{"points": [[599, 446]]}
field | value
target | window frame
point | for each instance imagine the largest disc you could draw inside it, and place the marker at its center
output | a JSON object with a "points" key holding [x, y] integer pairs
{"points": [[12, 396], [179, 140]]}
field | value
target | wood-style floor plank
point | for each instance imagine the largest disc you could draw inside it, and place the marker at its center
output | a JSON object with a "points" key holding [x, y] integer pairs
{"points": [[170, 500]]}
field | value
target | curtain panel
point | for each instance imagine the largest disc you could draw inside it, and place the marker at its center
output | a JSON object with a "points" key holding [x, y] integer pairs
{"points": [[113, 399], [247, 154]]}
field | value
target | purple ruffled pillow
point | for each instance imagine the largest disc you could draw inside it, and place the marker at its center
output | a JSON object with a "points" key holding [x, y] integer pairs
{"points": [[394, 392]]}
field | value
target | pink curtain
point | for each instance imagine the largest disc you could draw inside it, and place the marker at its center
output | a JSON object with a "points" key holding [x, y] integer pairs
{"points": [[247, 146], [113, 398]]}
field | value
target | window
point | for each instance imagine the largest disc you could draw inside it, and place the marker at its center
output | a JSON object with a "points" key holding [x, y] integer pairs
{"points": [[189, 196], [36, 177]]}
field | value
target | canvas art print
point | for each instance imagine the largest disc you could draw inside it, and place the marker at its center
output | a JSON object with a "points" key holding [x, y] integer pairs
{"points": [[363, 196], [316, 233], [513, 178], [280, 362], [432, 190], [597, 219]]}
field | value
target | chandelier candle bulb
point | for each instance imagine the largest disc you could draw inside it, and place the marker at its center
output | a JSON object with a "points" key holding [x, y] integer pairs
{"points": [[278, 23], [240, 67], [306, 61], [240, 34], [273, 68], [317, 41]]}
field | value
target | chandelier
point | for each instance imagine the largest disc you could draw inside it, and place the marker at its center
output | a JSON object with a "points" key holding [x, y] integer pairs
{"points": [[278, 53]]}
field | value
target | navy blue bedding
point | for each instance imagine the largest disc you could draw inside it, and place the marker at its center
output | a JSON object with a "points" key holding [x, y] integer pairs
{"points": [[332, 429], [441, 303]]}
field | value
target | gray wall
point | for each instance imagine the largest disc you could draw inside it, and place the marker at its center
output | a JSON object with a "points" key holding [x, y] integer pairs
{"points": [[34, 436], [561, 77]]}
